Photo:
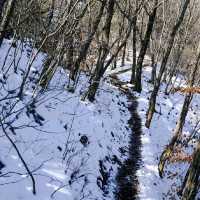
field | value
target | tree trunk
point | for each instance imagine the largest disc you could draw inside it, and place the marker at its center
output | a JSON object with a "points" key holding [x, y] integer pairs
{"points": [[43, 80], [95, 82], [171, 74], [123, 56], [154, 94], [103, 69], [84, 48], [118, 43], [134, 49], [51, 63], [103, 52], [69, 53], [153, 70], [170, 147], [51, 13], [191, 182], [177, 57], [145, 43], [178, 131], [6, 18], [2, 2]]}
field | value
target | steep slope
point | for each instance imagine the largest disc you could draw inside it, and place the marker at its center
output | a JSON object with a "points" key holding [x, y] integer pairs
{"points": [[73, 148], [157, 137]]}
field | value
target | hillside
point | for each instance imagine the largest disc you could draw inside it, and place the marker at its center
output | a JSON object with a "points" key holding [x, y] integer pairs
{"points": [[77, 149]]}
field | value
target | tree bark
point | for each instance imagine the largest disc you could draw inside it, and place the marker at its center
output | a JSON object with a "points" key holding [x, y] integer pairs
{"points": [[70, 53], [103, 52], [2, 3], [145, 43], [123, 56], [84, 48], [191, 182], [170, 147], [153, 70], [6, 18], [178, 130], [132, 81], [154, 94]]}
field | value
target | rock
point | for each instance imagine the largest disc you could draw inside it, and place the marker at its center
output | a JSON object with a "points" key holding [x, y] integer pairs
{"points": [[1, 166], [59, 148], [84, 140]]}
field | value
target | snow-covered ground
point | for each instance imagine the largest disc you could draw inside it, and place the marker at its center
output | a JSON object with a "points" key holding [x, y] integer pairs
{"points": [[157, 137], [73, 148]]}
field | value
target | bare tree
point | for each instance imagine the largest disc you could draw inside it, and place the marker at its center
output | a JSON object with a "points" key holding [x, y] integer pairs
{"points": [[134, 42], [181, 121], [191, 182], [103, 52], [6, 18], [2, 2], [145, 43], [85, 46], [154, 94]]}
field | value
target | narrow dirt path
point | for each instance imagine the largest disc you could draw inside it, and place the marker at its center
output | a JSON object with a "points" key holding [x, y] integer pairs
{"points": [[127, 181]]}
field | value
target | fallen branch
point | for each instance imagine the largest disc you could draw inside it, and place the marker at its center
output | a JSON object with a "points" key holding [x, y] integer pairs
{"points": [[20, 156]]}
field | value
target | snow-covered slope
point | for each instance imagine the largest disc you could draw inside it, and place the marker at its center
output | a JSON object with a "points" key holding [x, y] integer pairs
{"points": [[157, 137], [74, 148], [71, 147]]}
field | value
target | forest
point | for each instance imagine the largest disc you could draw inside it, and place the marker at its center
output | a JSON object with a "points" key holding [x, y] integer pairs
{"points": [[99, 99]]}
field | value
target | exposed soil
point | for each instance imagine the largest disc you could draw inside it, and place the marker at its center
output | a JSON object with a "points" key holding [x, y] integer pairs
{"points": [[127, 181]]}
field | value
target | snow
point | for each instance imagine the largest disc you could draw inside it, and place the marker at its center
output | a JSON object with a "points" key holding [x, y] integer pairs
{"points": [[66, 167], [158, 136], [63, 167]]}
